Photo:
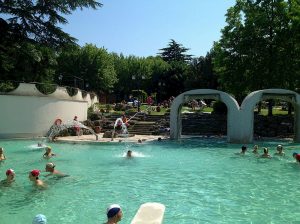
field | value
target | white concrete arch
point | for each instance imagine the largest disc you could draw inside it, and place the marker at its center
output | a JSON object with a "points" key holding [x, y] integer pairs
{"points": [[253, 98], [231, 103], [240, 120]]}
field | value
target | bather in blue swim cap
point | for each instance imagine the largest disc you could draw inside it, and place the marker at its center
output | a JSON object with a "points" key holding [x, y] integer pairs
{"points": [[294, 154], [39, 219]]}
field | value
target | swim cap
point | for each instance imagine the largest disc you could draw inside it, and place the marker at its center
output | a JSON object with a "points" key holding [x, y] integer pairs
{"points": [[294, 154], [112, 210], [50, 165], [39, 219], [10, 171], [35, 173]]}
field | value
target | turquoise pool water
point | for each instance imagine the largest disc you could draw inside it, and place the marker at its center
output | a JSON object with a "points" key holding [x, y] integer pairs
{"points": [[199, 181]]}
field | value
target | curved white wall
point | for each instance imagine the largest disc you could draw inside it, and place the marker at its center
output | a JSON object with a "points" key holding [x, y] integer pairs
{"points": [[25, 112]]}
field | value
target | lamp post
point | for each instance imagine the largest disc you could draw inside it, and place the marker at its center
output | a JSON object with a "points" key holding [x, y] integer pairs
{"points": [[138, 80]]}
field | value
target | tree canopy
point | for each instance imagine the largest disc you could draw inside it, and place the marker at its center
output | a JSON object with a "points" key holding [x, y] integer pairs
{"points": [[175, 52], [259, 47], [37, 21]]}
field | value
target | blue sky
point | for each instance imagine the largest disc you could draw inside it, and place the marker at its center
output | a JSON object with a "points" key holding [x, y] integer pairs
{"points": [[142, 27]]}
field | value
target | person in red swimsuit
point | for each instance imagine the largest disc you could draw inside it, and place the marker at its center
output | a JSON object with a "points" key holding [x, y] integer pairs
{"points": [[296, 156]]}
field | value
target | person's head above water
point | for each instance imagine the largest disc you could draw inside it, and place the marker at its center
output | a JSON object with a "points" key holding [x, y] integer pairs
{"points": [[10, 174], [129, 153], [294, 154], [39, 219], [1, 150], [50, 167], [244, 148], [34, 174], [114, 213], [279, 148], [266, 150]]}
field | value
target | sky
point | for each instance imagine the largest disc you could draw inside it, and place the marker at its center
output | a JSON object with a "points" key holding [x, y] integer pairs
{"points": [[142, 27]]}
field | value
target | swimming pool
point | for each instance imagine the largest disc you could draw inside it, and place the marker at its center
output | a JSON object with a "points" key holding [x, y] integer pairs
{"points": [[198, 180]]}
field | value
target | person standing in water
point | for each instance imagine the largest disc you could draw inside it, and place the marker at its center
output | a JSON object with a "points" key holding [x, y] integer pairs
{"points": [[2, 156], [10, 177], [243, 151], [50, 169], [255, 149], [48, 154], [280, 151], [296, 157], [34, 177], [266, 153]]}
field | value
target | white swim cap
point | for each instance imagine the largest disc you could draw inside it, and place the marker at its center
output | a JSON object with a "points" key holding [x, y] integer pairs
{"points": [[39, 219]]}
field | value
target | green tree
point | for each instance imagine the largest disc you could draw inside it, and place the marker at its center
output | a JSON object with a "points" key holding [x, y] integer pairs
{"points": [[175, 55], [201, 73], [175, 52], [37, 21], [31, 36], [92, 64], [257, 49]]}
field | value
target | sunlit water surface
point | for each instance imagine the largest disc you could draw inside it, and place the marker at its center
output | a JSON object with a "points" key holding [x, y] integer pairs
{"points": [[199, 181]]}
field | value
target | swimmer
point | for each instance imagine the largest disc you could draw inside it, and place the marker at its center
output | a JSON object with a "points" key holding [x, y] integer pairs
{"points": [[39, 219], [296, 156], [159, 139], [266, 153], [39, 144], [129, 154], [280, 151], [10, 177], [243, 151], [139, 141], [50, 169], [48, 154], [255, 149], [114, 214], [34, 177], [2, 156]]}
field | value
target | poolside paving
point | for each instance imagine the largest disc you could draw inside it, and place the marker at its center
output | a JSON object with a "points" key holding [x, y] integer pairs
{"points": [[92, 138]]}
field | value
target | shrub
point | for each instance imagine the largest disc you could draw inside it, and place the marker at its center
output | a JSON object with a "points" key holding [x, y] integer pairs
{"points": [[8, 86], [46, 88], [219, 108], [72, 91]]}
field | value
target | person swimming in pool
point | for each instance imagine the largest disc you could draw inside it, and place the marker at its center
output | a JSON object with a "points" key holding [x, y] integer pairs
{"points": [[34, 177], [50, 169], [296, 157], [10, 177], [129, 154], [243, 151], [48, 154], [114, 214], [266, 153], [280, 151], [255, 149], [2, 156]]}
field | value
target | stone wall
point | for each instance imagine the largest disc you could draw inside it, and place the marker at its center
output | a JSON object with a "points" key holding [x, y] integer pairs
{"points": [[213, 124]]}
